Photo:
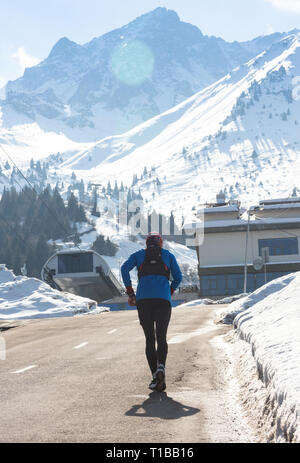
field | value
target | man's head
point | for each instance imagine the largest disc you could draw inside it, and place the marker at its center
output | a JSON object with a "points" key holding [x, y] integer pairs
{"points": [[154, 239]]}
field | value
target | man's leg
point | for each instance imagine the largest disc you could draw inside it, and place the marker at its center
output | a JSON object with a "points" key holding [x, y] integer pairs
{"points": [[145, 313], [162, 318]]}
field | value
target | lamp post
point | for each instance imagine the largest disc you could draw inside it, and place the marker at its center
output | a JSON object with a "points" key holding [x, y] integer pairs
{"points": [[251, 211], [246, 250]]}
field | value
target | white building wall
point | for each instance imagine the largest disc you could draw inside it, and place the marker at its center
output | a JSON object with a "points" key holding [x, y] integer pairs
{"points": [[219, 249], [212, 216], [228, 248]]}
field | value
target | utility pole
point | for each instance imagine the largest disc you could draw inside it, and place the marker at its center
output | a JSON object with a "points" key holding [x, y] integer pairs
{"points": [[251, 211], [246, 252], [266, 258], [198, 257]]}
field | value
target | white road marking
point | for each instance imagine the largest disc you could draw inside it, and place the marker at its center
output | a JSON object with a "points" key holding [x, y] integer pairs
{"points": [[24, 369], [80, 345], [112, 331]]}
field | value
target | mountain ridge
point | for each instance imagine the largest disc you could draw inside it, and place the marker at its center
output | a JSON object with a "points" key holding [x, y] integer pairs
{"points": [[76, 89]]}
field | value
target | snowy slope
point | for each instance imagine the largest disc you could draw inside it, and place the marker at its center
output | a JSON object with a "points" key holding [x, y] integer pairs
{"points": [[25, 140], [239, 134], [22, 297], [268, 320]]}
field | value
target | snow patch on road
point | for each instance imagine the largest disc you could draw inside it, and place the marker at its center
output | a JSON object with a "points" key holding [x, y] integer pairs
{"points": [[182, 337], [23, 370], [206, 301]]}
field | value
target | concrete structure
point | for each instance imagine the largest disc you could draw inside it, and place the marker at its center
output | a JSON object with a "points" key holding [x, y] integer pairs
{"points": [[232, 240], [84, 273]]}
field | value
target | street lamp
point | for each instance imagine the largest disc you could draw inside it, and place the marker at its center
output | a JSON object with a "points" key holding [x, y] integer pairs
{"points": [[251, 211]]}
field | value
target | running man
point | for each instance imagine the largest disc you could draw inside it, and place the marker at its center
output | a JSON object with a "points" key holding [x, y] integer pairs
{"points": [[153, 300]]}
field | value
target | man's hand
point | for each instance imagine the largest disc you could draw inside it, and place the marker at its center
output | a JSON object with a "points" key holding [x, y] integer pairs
{"points": [[172, 291], [131, 296]]}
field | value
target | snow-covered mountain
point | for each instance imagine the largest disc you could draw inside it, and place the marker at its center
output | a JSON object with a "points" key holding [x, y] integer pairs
{"points": [[127, 76], [239, 134]]}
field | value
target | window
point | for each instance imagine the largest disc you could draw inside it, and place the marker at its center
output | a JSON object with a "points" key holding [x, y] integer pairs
{"points": [[279, 246], [219, 285], [75, 263], [235, 281], [230, 284]]}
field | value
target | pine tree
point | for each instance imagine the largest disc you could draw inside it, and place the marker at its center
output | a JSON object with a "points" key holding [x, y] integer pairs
{"points": [[116, 190], [134, 180], [72, 207], [109, 188], [38, 168], [104, 247]]}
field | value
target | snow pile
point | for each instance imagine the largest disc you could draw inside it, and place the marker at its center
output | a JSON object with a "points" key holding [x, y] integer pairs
{"points": [[22, 297], [225, 300], [269, 320], [253, 298]]}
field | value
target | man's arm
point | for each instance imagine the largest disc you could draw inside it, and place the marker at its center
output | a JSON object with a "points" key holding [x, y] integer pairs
{"points": [[176, 274], [126, 268]]}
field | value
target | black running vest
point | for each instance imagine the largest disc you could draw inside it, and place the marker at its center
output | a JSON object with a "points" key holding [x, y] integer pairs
{"points": [[153, 263]]}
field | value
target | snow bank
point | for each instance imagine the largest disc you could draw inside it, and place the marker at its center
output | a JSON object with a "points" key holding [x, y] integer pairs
{"points": [[22, 297], [269, 321], [225, 300], [253, 298]]}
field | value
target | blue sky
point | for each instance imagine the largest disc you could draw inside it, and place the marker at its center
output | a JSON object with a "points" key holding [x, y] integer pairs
{"points": [[30, 28]]}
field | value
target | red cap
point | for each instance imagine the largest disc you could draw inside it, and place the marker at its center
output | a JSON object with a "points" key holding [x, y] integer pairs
{"points": [[154, 238]]}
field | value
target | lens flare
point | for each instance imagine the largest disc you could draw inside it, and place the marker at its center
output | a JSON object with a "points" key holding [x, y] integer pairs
{"points": [[132, 62]]}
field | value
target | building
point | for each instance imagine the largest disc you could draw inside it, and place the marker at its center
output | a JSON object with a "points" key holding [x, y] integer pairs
{"points": [[236, 245]]}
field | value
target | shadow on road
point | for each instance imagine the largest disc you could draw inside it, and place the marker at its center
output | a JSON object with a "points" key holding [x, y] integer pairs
{"points": [[162, 406]]}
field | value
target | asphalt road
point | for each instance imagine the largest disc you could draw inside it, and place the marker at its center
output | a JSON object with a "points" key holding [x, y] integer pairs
{"points": [[85, 379]]}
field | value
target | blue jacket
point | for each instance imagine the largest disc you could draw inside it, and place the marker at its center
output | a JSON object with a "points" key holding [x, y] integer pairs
{"points": [[152, 286]]}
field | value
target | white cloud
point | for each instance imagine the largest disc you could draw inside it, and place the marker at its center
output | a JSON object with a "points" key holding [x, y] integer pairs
{"points": [[287, 5], [24, 59]]}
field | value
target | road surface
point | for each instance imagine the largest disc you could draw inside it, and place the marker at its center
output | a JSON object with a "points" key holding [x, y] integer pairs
{"points": [[85, 379]]}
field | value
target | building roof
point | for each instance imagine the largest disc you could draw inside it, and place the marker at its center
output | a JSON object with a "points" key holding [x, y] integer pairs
{"points": [[294, 199], [281, 206], [235, 225], [220, 208]]}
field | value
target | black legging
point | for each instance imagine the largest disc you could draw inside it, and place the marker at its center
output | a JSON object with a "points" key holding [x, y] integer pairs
{"points": [[154, 316]]}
